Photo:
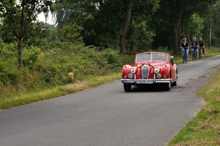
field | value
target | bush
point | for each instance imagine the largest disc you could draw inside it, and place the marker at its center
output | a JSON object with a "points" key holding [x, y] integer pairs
{"points": [[30, 55], [50, 65]]}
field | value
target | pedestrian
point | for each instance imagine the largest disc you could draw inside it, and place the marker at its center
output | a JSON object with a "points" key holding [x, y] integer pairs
{"points": [[195, 45], [202, 45], [185, 46]]}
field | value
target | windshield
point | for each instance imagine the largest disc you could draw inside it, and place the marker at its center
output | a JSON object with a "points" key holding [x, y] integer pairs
{"points": [[149, 57]]}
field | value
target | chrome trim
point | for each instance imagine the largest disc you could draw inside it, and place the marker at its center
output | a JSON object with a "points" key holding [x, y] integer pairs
{"points": [[135, 81], [145, 71]]}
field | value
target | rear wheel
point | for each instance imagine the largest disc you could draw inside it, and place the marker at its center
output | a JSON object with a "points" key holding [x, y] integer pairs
{"points": [[127, 88]]}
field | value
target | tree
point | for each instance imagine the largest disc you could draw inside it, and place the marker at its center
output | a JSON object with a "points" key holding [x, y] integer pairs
{"points": [[70, 33], [106, 23], [19, 14], [61, 15], [195, 26], [125, 26], [177, 14], [35, 34]]}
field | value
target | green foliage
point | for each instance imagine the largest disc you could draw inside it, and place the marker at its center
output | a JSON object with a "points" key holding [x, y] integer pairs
{"points": [[18, 14], [35, 35], [8, 50], [70, 33], [50, 65], [30, 55], [140, 37], [195, 26], [8, 72], [164, 49], [103, 21]]}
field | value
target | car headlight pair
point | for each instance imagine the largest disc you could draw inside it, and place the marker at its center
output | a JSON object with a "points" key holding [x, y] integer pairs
{"points": [[156, 70]]}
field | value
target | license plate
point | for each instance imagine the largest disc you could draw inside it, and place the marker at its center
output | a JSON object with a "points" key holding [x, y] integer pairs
{"points": [[145, 81]]}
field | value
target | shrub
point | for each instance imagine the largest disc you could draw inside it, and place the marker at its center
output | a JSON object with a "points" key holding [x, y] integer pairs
{"points": [[30, 55], [50, 65]]}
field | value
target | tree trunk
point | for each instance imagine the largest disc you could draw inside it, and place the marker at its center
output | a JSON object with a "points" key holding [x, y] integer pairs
{"points": [[20, 49], [175, 39], [125, 27], [210, 35], [179, 40]]}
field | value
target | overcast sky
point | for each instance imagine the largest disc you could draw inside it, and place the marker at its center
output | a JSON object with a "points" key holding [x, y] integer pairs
{"points": [[41, 17]]}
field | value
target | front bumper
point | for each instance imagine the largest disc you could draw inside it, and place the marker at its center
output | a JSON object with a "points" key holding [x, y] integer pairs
{"points": [[146, 81]]}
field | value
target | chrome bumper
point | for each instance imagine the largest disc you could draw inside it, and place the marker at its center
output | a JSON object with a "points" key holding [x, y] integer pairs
{"points": [[145, 81]]}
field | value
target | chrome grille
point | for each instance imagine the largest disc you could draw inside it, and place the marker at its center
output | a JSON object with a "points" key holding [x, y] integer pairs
{"points": [[145, 72]]}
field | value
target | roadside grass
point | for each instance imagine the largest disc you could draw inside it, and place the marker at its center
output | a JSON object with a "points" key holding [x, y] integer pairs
{"points": [[23, 98], [40, 95], [204, 129]]}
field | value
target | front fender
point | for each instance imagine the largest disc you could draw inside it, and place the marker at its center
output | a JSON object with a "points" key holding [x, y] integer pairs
{"points": [[126, 70], [165, 71]]}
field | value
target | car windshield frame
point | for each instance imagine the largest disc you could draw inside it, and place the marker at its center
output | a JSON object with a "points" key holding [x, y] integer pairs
{"points": [[151, 57]]}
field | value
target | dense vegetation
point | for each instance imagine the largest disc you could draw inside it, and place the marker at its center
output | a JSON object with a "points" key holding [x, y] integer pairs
{"points": [[50, 65], [151, 24], [91, 37]]}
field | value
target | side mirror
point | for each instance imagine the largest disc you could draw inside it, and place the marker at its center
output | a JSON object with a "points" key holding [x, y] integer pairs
{"points": [[171, 60]]}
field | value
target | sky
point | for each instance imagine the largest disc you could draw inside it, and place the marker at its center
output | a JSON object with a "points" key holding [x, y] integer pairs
{"points": [[41, 17]]}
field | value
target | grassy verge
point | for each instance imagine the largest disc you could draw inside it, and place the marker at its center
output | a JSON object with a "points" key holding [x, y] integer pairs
{"points": [[34, 96], [204, 129]]}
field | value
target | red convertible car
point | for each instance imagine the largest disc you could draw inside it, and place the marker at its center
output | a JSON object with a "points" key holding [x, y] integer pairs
{"points": [[150, 68]]}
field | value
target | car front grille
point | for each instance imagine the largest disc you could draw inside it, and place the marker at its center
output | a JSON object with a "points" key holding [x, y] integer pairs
{"points": [[145, 72]]}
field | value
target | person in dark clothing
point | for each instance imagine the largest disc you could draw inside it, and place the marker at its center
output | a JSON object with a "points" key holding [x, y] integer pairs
{"points": [[195, 45], [202, 45], [185, 45]]}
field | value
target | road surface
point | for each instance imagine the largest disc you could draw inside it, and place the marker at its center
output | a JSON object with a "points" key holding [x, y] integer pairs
{"points": [[106, 115]]}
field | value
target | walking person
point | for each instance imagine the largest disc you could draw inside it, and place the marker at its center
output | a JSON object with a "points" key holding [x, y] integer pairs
{"points": [[195, 45], [185, 46], [202, 45]]}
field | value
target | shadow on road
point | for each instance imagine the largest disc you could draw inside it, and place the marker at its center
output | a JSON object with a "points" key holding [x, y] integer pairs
{"points": [[148, 88]]}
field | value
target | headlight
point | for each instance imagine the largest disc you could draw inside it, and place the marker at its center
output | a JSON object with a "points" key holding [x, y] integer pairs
{"points": [[133, 70], [156, 70]]}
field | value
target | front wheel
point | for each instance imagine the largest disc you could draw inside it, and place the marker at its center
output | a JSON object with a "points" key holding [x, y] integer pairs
{"points": [[127, 88], [174, 84]]}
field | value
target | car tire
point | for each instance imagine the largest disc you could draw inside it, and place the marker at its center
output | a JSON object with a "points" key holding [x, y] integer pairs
{"points": [[127, 88], [174, 84], [167, 86]]}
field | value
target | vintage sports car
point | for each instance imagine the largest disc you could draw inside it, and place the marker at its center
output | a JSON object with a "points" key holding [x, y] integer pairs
{"points": [[150, 68]]}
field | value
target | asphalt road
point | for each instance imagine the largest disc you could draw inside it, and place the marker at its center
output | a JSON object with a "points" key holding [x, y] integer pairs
{"points": [[106, 115]]}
